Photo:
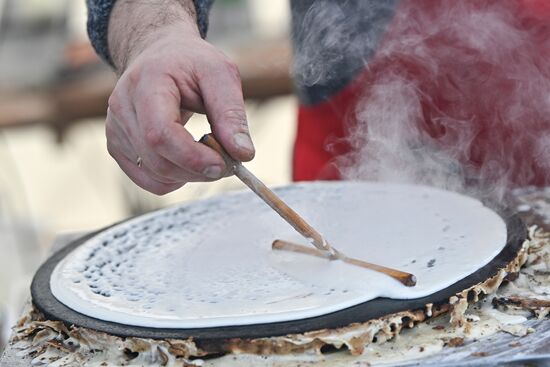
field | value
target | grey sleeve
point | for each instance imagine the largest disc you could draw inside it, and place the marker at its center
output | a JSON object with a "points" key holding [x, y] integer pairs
{"points": [[98, 20]]}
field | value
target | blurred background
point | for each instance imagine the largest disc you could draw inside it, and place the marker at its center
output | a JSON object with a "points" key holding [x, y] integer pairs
{"points": [[55, 173]]}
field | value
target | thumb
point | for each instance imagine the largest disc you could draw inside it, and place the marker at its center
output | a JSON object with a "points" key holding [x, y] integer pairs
{"points": [[221, 91]]}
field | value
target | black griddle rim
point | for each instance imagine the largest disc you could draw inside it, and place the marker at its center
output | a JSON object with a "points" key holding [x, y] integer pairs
{"points": [[209, 338]]}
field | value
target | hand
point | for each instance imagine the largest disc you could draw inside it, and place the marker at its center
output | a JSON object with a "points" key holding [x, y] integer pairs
{"points": [[166, 75]]}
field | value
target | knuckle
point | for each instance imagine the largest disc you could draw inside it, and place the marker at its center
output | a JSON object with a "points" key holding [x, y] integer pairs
{"points": [[218, 62], [115, 104], [155, 137], [235, 116], [133, 76], [232, 69]]}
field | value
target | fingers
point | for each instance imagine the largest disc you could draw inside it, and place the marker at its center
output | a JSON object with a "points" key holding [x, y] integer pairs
{"points": [[119, 144], [151, 103], [121, 150], [140, 177], [156, 174], [164, 136], [221, 91]]}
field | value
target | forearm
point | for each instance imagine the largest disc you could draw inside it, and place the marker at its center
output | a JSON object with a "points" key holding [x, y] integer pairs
{"points": [[100, 11], [134, 24]]}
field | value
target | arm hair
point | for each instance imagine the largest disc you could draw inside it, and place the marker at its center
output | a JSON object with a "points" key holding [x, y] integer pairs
{"points": [[134, 22]]}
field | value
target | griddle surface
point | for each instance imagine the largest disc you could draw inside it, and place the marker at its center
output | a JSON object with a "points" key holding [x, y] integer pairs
{"points": [[52, 309]]}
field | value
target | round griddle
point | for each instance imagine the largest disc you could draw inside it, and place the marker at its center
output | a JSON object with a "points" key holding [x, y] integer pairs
{"points": [[52, 309]]}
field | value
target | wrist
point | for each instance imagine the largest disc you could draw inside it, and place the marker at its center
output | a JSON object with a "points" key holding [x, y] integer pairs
{"points": [[133, 26]]}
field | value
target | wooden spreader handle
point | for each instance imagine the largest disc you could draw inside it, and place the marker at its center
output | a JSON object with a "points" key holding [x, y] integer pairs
{"points": [[299, 224], [286, 212]]}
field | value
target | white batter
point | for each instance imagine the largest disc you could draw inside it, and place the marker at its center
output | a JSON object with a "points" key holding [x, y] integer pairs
{"points": [[210, 263]]}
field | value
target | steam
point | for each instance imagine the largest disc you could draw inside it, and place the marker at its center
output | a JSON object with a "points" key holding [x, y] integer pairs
{"points": [[457, 92], [332, 35]]}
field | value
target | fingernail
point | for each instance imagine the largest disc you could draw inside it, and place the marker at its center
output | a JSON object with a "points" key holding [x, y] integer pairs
{"points": [[212, 172], [243, 141]]}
